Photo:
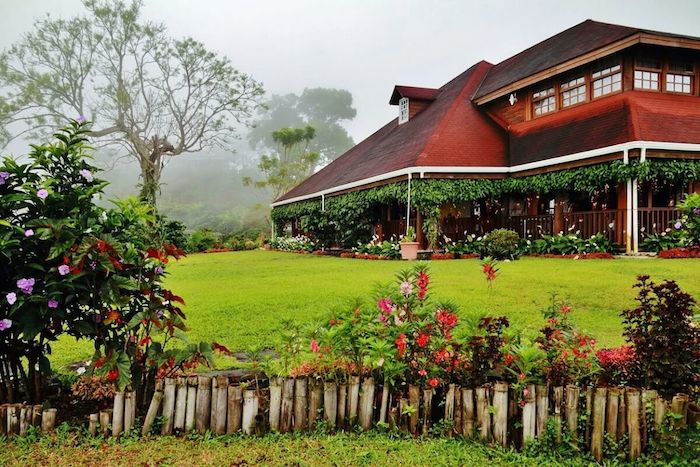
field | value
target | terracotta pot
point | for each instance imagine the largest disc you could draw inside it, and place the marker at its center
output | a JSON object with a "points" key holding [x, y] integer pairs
{"points": [[409, 250]]}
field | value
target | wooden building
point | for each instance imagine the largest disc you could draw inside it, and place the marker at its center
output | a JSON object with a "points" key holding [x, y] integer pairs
{"points": [[596, 95]]}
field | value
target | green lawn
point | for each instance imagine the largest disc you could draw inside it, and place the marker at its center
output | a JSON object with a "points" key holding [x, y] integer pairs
{"points": [[238, 299]]}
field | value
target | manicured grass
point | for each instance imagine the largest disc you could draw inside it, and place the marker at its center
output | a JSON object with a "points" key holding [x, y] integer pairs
{"points": [[240, 298]]}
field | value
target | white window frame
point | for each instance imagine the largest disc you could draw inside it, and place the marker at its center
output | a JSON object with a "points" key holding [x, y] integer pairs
{"points": [[403, 110]]}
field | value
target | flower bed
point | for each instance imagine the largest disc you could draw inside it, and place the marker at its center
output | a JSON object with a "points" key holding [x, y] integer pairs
{"points": [[691, 252], [574, 256]]}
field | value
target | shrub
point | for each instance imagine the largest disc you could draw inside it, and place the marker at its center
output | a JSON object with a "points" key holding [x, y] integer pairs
{"points": [[501, 244], [666, 342], [570, 244], [387, 249], [298, 243], [173, 232], [618, 366], [471, 245]]}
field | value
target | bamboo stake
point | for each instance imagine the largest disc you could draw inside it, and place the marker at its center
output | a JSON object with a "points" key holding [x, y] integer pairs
{"points": [[36, 415], [342, 404], [612, 411], [92, 424], [558, 395], [385, 402], [366, 404], [168, 406], [483, 418], [3, 419], [250, 411], [221, 410], [679, 405], [394, 416], [129, 411], [353, 399], [589, 411], [275, 403], [118, 414], [330, 403], [315, 402], [648, 398], [13, 414], [633, 416], [152, 408], [105, 421], [468, 413], [48, 420], [214, 399], [235, 409], [599, 403], [500, 417], [180, 404], [403, 418], [542, 395], [572, 399], [300, 406], [529, 413], [450, 404], [659, 412], [414, 402], [24, 421], [427, 409], [203, 405], [457, 424], [190, 407], [287, 407], [622, 415]]}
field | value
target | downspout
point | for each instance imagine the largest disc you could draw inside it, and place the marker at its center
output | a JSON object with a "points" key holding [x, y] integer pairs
{"points": [[408, 205]]}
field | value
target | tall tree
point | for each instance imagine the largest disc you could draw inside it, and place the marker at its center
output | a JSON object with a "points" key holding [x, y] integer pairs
{"points": [[154, 96], [290, 163], [322, 108]]}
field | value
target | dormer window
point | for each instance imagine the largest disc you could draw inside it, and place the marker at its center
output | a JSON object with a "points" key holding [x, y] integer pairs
{"points": [[403, 110]]}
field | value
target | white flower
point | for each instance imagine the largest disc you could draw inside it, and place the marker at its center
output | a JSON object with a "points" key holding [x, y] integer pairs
{"points": [[80, 371], [87, 175]]}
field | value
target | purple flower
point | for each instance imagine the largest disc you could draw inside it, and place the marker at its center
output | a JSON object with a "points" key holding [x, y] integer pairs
{"points": [[63, 269], [678, 225], [11, 298], [26, 285], [4, 176], [159, 270], [406, 288], [53, 303], [42, 193], [87, 175], [696, 211], [159, 313], [93, 265], [28, 233], [5, 324], [81, 119]]}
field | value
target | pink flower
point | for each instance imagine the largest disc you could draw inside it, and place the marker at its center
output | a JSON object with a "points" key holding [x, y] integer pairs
{"points": [[87, 175], [314, 346], [526, 392], [26, 285], [422, 372], [53, 303], [63, 269], [382, 318], [385, 304], [28, 233], [406, 288], [5, 324], [42, 193], [433, 382], [521, 376], [11, 298]]}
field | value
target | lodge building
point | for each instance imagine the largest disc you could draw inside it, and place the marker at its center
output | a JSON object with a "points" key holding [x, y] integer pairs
{"points": [[594, 96]]}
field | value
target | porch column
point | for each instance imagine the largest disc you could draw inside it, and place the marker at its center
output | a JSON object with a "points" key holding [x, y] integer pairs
{"points": [[621, 220], [533, 202], [558, 222], [694, 187], [419, 229]]}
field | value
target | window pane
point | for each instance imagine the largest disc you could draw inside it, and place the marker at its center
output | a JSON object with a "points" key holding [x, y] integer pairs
{"points": [[679, 83], [646, 80], [607, 85], [680, 67]]}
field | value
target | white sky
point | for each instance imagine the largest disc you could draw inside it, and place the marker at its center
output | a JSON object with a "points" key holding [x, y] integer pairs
{"points": [[367, 46]]}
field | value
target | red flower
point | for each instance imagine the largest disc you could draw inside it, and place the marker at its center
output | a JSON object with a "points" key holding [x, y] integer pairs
{"points": [[99, 363], [422, 340], [401, 344], [113, 375], [315, 348], [433, 382], [422, 282], [521, 376], [565, 309], [422, 372], [446, 319], [509, 359]]}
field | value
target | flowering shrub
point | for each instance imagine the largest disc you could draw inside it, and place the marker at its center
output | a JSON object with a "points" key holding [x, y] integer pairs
{"points": [[501, 244], [387, 249], [569, 244], [666, 342], [682, 233], [472, 245], [70, 266], [298, 243], [618, 366]]}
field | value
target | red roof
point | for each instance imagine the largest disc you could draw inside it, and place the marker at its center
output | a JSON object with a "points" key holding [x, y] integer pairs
{"points": [[450, 131], [412, 92]]}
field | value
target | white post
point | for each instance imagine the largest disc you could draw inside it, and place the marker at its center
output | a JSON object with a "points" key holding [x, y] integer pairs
{"points": [[408, 205], [628, 209], [323, 202], [635, 203]]}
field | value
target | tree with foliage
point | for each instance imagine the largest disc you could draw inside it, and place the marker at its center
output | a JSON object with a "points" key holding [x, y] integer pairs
{"points": [[68, 266], [290, 164], [153, 96], [323, 108]]}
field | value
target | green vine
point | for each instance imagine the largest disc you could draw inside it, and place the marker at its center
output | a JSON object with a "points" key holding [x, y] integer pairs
{"points": [[348, 211]]}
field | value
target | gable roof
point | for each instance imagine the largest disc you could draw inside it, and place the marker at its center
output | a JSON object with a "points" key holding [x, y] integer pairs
{"points": [[451, 131], [412, 92], [581, 39]]}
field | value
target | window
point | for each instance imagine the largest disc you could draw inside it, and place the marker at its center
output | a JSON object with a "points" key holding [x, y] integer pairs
{"points": [[403, 110], [647, 74], [544, 101], [606, 78], [680, 77], [573, 91]]}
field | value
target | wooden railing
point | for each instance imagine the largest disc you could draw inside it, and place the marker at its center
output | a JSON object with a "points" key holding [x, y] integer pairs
{"points": [[531, 227], [656, 220], [589, 223]]}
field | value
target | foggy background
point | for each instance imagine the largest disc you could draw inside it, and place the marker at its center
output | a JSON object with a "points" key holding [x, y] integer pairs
{"points": [[365, 47]]}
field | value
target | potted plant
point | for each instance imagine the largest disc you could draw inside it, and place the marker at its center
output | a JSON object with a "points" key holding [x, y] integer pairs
{"points": [[409, 247]]}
